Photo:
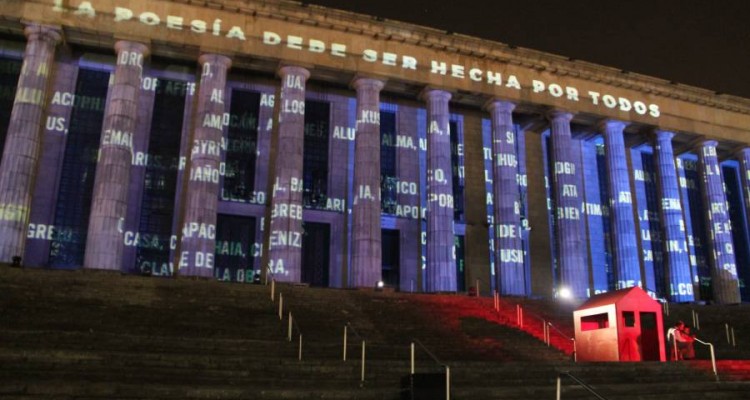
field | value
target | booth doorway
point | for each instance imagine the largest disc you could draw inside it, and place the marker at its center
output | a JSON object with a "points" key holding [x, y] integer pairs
{"points": [[649, 337], [316, 253], [390, 252]]}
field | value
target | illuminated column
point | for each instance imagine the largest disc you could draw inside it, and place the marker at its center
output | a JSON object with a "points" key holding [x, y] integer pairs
{"points": [[572, 269], [198, 241], [675, 243], [726, 288], [104, 244], [366, 235], [744, 158], [285, 236], [511, 277], [624, 237], [21, 154], [441, 257]]}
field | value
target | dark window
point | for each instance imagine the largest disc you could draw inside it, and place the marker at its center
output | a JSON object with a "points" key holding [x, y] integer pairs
{"points": [[388, 178], [628, 318], [157, 202], [242, 139], [78, 169], [9, 71], [390, 257], [235, 239], [315, 173], [457, 168], [315, 253]]}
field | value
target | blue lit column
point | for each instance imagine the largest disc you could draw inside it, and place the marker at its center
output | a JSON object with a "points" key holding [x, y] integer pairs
{"points": [[441, 256], [726, 287], [198, 243], [508, 246], [21, 154], [109, 202], [366, 233], [675, 243], [572, 270], [285, 233], [624, 238]]}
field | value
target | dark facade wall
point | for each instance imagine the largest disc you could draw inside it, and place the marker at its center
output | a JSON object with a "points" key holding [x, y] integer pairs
{"points": [[477, 237], [539, 241]]}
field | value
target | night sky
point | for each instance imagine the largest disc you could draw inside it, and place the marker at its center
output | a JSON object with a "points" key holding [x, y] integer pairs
{"points": [[695, 42]]}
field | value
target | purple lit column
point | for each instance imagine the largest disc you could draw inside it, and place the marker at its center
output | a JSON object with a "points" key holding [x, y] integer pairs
{"points": [[509, 247], [441, 256], [109, 203], [198, 242], [675, 250], [624, 238], [571, 248], [726, 288], [366, 235], [21, 154], [285, 235], [744, 158]]}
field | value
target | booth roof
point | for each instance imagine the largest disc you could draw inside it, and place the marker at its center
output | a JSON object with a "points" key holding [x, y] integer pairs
{"points": [[611, 297]]}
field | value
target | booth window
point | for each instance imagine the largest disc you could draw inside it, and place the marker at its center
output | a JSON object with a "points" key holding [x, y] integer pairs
{"points": [[593, 322], [628, 317]]}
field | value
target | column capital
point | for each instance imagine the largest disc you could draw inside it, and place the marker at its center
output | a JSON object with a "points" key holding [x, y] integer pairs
{"points": [[708, 143], [608, 123], [216, 59], [131, 46], [432, 94], [662, 135], [285, 70], [365, 82], [742, 152], [559, 115], [50, 34], [499, 104]]}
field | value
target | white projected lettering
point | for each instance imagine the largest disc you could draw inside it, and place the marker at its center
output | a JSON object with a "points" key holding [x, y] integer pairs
{"points": [[511, 255], [334, 204], [56, 124], [569, 190], [507, 231], [346, 133], [564, 167], [285, 238], [506, 160], [267, 100], [229, 248], [281, 210], [569, 213], [13, 212], [293, 107], [130, 58], [683, 289], [199, 230], [205, 173], [237, 31], [29, 95], [200, 259], [670, 204], [206, 147], [369, 117], [442, 200]]}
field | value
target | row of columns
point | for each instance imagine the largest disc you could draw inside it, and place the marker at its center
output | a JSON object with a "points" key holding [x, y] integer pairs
{"points": [[104, 246]]}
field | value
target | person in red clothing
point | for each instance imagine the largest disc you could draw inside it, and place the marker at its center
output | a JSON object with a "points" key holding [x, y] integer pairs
{"points": [[676, 340], [688, 349]]}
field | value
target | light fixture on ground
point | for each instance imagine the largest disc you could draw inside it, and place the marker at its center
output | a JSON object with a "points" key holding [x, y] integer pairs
{"points": [[379, 286], [565, 293]]}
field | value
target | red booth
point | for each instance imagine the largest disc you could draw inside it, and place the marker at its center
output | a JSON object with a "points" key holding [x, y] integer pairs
{"points": [[624, 325]]}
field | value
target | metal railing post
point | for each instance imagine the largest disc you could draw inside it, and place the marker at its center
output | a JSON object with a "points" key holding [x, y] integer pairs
{"points": [[281, 306], [575, 351], [345, 342], [692, 313], [666, 305], [273, 290], [734, 344], [713, 361], [726, 329], [447, 383], [300, 347], [412, 358], [289, 334], [559, 387], [478, 291], [363, 361], [697, 321]]}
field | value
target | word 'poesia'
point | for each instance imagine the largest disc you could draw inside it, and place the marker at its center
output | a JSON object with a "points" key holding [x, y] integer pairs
{"points": [[405, 62]]}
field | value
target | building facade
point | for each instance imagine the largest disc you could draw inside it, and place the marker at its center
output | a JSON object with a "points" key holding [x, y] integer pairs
{"points": [[226, 139]]}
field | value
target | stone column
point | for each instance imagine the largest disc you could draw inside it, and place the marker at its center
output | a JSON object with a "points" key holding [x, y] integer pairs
{"points": [[198, 241], [366, 235], [726, 288], [441, 255], [104, 240], [509, 258], [571, 247], [22, 144], [675, 245], [624, 237], [744, 158], [285, 233]]}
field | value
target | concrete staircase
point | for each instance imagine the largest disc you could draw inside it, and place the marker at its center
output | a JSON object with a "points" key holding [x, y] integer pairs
{"points": [[100, 335]]}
